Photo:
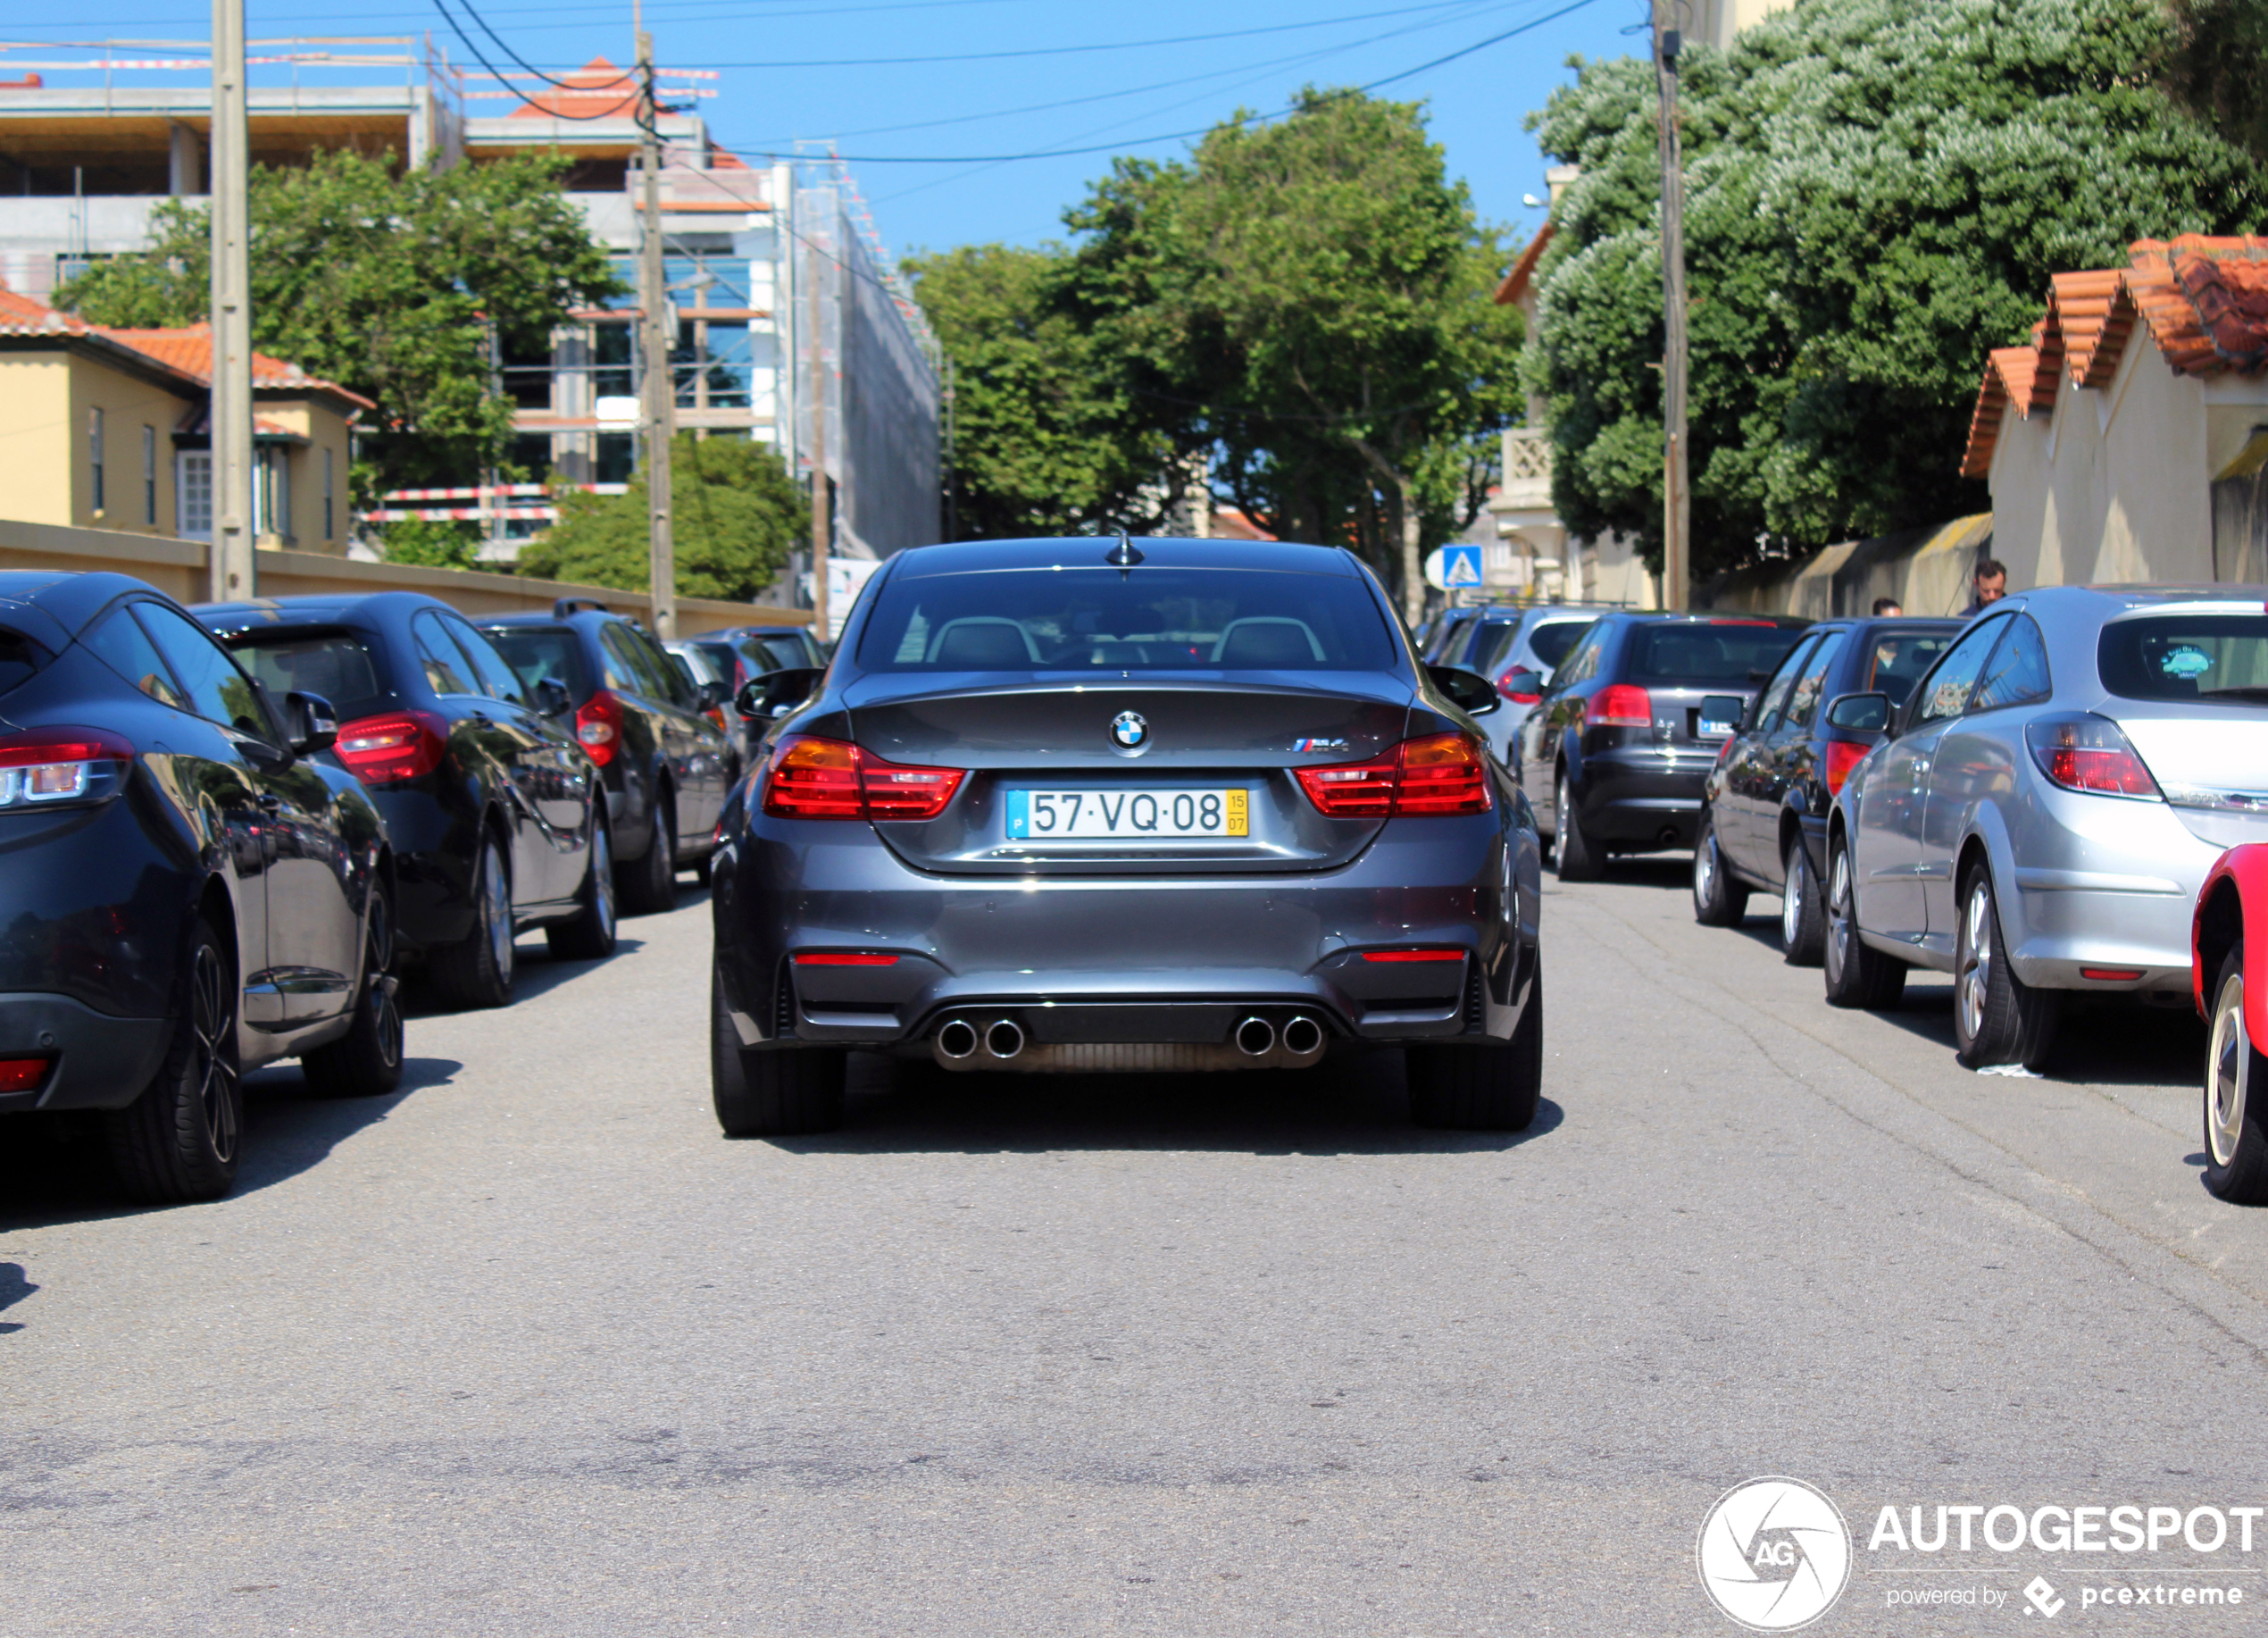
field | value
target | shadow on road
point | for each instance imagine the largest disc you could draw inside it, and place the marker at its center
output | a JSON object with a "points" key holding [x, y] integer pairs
{"points": [[2100, 1043], [1356, 1105], [14, 1287]]}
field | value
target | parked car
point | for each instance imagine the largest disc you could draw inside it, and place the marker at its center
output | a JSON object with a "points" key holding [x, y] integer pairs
{"points": [[2046, 805], [2228, 983], [729, 663], [493, 807], [195, 887], [785, 648], [1764, 811], [1519, 652], [1617, 749], [665, 764], [1163, 805]]}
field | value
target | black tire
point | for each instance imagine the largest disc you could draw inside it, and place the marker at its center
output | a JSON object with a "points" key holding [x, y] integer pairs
{"points": [[1491, 1088], [1718, 900], [1803, 916], [1575, 856], [648, 883], [366, 1062], [705, 872], [476, 972], [1997, 1018], [2236, 1141], [774, 1093], [590, 936], [180, 1139], [1857, 973]]}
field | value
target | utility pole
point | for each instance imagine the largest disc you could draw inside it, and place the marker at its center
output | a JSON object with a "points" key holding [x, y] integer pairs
{"points": [[655, 385], [1677, 501], [233, 572], [822, 527]]}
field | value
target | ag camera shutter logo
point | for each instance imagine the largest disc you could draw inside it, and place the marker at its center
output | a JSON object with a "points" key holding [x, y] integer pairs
{"points": [[1774, 1554]]}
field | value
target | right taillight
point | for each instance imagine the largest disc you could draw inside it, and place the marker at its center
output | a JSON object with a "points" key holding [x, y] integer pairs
{"points": [[1519, 699], [1621, 704], [598, 726], [1842, 756], [816, 778], [2088, 753], [384, 750], [1438, 773]]}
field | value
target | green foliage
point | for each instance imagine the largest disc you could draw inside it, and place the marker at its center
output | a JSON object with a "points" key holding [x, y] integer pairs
{"points": [[387, 284], [1876, 191], [2217, 67], [736, 516], [440, 545]]}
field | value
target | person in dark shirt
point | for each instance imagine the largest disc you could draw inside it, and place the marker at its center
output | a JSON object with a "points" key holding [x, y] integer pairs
{"points": [[1989, 582]]}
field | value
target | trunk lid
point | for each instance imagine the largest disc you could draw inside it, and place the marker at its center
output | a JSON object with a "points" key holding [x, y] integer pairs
{"points": [[2210, 758], [1056, 735]]}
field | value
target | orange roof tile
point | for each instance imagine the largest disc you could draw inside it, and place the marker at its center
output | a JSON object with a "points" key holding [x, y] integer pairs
{"points": [[597, 75], [1516, 282]]}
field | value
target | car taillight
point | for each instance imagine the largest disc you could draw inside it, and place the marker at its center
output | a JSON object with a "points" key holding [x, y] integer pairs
{"points": [[1621, 704], [60, 765], [598, 726], [843, 958], [1517, 699], [1842, 756], [22, 1075], [384, 750], [2088, 753], [1413, 955], [812, 778], [1439, 774]]}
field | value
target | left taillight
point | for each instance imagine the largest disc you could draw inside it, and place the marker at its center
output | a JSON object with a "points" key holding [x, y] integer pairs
{"points": [[385, 750], [816, 778], [1842, 756], [1440, 773], [48, 765]]}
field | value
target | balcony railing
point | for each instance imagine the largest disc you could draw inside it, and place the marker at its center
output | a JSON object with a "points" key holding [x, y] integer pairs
{"points": [[1527, 467]]}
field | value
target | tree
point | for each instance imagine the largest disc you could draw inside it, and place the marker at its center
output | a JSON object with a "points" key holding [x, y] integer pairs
{"points": [[738, 514], [2216, 66], [398, 285], [1876, 191]]}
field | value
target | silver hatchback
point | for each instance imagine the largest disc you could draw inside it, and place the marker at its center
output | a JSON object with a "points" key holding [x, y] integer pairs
{"points": [[2040, 813]]}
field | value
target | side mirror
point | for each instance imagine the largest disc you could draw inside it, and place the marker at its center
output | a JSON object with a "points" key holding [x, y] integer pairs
{"points": [[1721, 716], [310, 722], [1522, 687], [551, 697], [1859, 713], [1469, 691], [777, 692]]}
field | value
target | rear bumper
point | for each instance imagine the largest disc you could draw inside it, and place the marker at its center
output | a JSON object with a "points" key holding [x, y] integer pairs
{"points": [[1643, 795], [101, 1062], [433, 851], [2099, 883]]}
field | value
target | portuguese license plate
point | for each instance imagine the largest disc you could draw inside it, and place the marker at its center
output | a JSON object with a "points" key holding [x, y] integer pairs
{"points": [[1183, 814]]}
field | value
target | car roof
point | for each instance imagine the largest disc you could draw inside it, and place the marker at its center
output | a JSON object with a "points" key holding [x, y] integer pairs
{"points": [[1081, 551], [316, 608], [68, 598], [1707, 616]]}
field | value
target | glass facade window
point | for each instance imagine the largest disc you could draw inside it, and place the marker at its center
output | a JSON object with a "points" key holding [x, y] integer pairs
{"points": [[617, 457], [195, 513]]}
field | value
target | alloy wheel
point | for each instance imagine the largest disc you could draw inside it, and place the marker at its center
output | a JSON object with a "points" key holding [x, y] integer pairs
{"points": [[602, 879], [1973, 985], [1704, 866], [497, 906], [1838, 911], [212, 1021], [380, 977], [1561, 819], [1791, 902], [2230, 1073]]}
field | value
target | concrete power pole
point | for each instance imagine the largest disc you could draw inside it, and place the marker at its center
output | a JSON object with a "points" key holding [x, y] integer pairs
{"points": [[1677, 501], [822, 525], [656, 386], [230, 561]]}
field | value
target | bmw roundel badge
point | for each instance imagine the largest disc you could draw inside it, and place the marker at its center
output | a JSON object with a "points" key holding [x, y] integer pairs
{"points": [[1129, 731]]}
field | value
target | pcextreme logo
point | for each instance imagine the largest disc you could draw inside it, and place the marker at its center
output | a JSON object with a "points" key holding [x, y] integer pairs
{"points": [[1774, 1554]]}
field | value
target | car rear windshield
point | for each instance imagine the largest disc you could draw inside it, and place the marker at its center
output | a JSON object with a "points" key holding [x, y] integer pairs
{"points": [[2187, 657], [1899, 660], [339, 666], [539, 654], [1735, 651], [1552, 641], [21, 659], [1146, 619]]}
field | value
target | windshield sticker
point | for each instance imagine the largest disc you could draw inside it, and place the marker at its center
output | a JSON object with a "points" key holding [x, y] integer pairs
{"points": [[2185, 662]]}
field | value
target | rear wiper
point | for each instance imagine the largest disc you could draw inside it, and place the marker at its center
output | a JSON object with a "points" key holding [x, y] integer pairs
{"points": [[2250, 695]]}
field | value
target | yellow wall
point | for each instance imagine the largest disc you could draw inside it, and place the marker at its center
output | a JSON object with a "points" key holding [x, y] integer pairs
{"points": [[128, 404], [35, 418], [324, 424]]}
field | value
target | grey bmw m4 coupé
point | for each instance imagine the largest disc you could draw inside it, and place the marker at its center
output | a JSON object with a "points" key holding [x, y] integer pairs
{"points": [[1093, 806]]}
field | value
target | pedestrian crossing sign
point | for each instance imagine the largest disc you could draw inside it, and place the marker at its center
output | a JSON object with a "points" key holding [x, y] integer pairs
{"points": [[1460, 567]]}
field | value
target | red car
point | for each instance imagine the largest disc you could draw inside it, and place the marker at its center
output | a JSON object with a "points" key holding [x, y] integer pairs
{"points": [[2230, 980]]}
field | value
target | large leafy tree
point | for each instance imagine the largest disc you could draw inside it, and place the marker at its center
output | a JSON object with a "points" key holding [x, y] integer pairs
{"points": [[2216, 66], [1876, 191], [736, 516], [397, 285]]}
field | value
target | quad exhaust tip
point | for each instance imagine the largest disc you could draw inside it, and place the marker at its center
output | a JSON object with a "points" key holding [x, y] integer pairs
{"points": [[1302, 1036], [1255, 1037], [958, 1038], [1005, 1038]]}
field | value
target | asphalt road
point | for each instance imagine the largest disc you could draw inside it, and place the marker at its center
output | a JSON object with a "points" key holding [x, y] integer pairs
{"points": [[531, 1349]]}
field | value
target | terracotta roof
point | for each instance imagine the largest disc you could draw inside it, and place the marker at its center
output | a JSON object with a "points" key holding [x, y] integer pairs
{"points": [[186, 352], [2204, 303], [597, 75], [20, 316], [1516, 282]]}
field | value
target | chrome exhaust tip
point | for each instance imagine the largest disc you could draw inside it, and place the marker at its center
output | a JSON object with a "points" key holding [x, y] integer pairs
{"points": [[958, 1038], [1255, 1037], [1005, 1038], [1302, 1036]]}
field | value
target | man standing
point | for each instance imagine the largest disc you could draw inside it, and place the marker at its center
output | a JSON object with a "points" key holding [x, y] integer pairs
{"points": [[1887, 607], [1990, 580]]}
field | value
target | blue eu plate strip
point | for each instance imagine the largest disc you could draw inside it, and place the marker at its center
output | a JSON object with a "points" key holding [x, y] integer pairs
{"points": [[1019, 814]]}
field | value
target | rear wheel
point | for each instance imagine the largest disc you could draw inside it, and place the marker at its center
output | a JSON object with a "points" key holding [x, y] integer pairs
{"points": [[367, 1060], [649, 882], [1575, 856], [1857, 973], [2236, 1144], [590, 936], [178, 1141], [1997, 1018], [1492, 1088], [1803, 918], [1718, 900], [476, 970], [770, 1094]]}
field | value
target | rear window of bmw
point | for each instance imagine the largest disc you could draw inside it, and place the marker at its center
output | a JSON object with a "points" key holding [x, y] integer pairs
{"points": [[338, 665], [2187, 657], [1145, 619], [1730, 651]]}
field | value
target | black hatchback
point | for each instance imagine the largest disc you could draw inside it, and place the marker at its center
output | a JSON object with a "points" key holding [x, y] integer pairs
{"points": [[493, 806], [665, 764], [1763, 815], [1617, 749]]}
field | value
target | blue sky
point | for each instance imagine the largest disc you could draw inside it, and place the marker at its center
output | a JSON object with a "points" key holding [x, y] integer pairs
{"points": [[1152, 81]]}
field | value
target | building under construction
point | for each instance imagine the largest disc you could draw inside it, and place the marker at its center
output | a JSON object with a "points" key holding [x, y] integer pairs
{"points": [[793, 327]]}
